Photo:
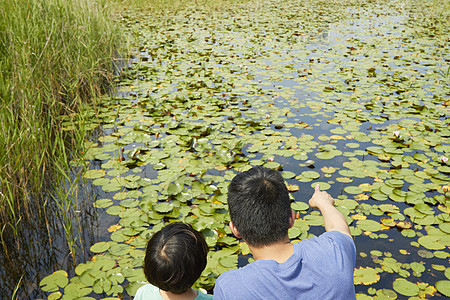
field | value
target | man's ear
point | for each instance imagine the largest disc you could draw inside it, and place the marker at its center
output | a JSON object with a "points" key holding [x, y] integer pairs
{"points": [[234, 230], [292, 218]]}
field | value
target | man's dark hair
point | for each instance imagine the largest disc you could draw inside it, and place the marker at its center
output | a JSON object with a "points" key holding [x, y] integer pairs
{"points": [[175, 258], [259, 206]]}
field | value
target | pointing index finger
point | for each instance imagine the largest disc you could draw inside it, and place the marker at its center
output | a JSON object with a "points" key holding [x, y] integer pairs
{"points": [[317, 188]]}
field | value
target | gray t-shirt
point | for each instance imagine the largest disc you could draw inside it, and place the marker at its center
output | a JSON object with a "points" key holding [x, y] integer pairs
{"points": [[151, 292]]}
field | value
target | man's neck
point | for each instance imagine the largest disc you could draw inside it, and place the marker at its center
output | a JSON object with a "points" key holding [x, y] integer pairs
{"points": [[279, 252], [190, 294]]}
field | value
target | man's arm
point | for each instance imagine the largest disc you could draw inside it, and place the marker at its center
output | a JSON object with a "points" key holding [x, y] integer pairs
{"points": [[332, 218]]}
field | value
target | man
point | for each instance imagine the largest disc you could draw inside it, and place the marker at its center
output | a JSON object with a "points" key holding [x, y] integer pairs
{"points": [[316, 268]]}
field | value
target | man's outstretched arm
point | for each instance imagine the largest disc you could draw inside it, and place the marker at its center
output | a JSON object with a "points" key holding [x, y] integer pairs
{"points": [[332, 217]]}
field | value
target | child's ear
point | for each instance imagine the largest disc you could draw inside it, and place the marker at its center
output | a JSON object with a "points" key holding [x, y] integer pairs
{"points": [[292, 219], [234, 230]]}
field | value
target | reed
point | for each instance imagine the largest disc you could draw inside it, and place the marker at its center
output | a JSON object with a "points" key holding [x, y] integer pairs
{"points": [[54, 55]]}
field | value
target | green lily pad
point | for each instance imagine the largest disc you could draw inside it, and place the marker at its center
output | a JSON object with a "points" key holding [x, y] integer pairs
{"points": [[93, 174], [313, 220], [100, 247], [444, 169], [310, 174], [163, 207], [288, 174], [368, 225], [77, 290], [54, 281], [323, 185], [365, 276], [352, 190], [299, 206], [443, 287], [425, 254], [431, 242], [405, 287], [445, 227], [103, 203]]}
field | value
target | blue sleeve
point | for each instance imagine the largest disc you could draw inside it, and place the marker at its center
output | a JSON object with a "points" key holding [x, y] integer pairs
{"points": [[344, 243], [218, 294], [331, 249]]}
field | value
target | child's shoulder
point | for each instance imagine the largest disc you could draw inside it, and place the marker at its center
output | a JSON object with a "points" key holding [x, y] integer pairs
{"points": [[147, 291], [202, 296]]}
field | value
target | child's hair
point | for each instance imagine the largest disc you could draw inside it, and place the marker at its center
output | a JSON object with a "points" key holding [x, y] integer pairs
{"points": [[175, 257], [259, 206]]}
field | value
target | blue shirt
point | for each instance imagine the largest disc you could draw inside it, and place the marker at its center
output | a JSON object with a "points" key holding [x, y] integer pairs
{"points": [[320, 268]]}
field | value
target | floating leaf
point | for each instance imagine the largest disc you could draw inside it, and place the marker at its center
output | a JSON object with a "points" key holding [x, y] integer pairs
{"points": [[328, 170], [366, 276], [323, 185], [388, 222], [445, 227], [344, 179], [54, 296], [103, 203], [292, 188], [163, 207], [404, 287], [114, 228], [299, 206], [288, 174], [352, 190], [368, 225], [431, 242], [403, 224], [100, 247], [425, 254], [96, 173], [52, 282], [310, 174], [443, 287]]}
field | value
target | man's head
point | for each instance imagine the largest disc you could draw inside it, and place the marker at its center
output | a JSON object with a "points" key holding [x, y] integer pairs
{"points": [[259, 206], [175, 257]]}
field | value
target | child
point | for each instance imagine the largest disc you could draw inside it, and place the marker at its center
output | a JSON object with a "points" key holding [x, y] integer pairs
{"points": [[174, 260]]}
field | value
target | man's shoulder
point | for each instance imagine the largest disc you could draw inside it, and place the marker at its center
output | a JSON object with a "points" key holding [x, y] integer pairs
{"points": [[236, 277], [335, 236], [233, 274]]}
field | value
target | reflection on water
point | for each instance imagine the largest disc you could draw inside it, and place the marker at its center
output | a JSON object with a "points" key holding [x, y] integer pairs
{"points": [[41, 247]]}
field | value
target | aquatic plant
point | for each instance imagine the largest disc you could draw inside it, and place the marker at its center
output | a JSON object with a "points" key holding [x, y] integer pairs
{"points": [[55, 55]]}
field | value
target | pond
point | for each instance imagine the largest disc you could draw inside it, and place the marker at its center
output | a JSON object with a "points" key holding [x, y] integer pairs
{"points": [[353, 96]]}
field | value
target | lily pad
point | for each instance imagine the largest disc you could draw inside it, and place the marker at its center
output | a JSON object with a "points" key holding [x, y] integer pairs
{"points": [[323, 185], [431, 242], [365, 276], [96, 173], [100, 247], [405, 287], [368, 225], [443, 287], [54, 281]]}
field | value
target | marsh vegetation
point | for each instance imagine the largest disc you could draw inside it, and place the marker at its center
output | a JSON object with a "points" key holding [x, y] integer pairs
{"points": [[56, 57]]}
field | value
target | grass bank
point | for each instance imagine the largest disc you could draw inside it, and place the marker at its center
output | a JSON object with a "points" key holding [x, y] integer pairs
{"points": [[54, 56]]}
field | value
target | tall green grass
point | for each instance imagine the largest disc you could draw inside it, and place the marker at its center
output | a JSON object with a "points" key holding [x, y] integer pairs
{"points": [[54, 56]]}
